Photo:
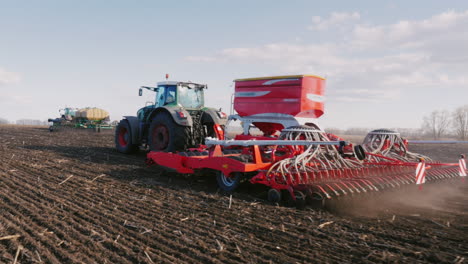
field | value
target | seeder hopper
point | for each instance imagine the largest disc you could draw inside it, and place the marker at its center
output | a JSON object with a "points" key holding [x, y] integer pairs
{"points": [[294, 156]]}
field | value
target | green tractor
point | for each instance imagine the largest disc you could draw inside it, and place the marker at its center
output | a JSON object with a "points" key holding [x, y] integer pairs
{"points": [[176, 121]]}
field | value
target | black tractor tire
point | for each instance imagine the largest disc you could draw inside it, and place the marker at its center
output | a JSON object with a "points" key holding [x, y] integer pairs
{"points": [[123, 138], [229, 184], [165, 135]]}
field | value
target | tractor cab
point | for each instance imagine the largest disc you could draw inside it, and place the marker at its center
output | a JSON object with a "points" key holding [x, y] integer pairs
{"points": [[184, 94], [68, 113], [187, 95]]}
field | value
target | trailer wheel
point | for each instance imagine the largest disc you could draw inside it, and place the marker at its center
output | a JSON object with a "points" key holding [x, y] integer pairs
{"points": [[166, 135], [123, 139], [51, 129], [228, 184]]}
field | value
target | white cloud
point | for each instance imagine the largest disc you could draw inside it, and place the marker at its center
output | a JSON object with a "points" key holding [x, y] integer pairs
{"points": [[371, 63], [7, 77], [7, 96], [336, 19], [447, 26], [14, 99], [367, 95], [200, 58]]}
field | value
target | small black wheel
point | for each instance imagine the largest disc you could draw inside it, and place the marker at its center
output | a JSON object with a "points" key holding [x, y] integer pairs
{"points": [[300, 199], [359, 152], [274, 196], [316, 200], [51, 129], [229, 183], [123, 138], [165, 135]]}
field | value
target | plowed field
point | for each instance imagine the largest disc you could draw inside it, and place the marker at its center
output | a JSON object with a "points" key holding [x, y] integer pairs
{"points": [[69, 197]]}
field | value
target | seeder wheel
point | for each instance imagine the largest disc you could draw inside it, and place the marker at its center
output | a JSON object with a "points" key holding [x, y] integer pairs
{"points": [[274, 196], [299, 202], [228, 183], [300, 199], [316, 200]]}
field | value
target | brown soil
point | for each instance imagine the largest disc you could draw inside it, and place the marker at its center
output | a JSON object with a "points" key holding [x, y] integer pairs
{"points": [[72, 198]]}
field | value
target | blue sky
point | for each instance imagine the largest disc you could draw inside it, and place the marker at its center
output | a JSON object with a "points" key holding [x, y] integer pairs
{"points": [[387, 63]]}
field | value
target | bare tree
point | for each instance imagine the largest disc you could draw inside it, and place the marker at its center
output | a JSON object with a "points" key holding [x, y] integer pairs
{"points": [[359, 131], [30, 122], [460, 122], [436, 124]]}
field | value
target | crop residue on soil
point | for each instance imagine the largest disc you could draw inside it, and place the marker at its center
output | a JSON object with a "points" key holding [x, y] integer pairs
{"points": [[69, 197]]}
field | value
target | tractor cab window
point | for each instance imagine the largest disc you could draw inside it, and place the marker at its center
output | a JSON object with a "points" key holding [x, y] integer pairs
{"points": [[170, 94], [166, 95], [191, 97]]}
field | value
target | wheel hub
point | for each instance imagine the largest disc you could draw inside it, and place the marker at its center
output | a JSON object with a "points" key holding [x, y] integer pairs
{"points": [[123, 137], [160, 137], [228, 181]]}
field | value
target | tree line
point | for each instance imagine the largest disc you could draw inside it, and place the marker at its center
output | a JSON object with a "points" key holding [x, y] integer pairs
{"points": [[436, 125], [30, 122], [443, 123]]}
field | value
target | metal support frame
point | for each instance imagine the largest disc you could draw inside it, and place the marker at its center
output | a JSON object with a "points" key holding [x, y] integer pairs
{"points": [[213, 141], [274, 118]]}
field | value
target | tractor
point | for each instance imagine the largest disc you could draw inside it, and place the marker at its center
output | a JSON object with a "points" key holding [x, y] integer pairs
{"points": [[176, 121], [88, 118]]}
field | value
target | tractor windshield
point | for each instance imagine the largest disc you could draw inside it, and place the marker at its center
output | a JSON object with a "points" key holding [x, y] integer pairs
{"points": [[190, 97]]}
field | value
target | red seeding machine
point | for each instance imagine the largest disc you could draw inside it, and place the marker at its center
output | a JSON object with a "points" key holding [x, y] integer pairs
{"points": [[294, 157]]}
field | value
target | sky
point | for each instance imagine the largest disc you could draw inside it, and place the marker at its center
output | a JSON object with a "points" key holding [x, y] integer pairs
{"points": [[386, 63]]}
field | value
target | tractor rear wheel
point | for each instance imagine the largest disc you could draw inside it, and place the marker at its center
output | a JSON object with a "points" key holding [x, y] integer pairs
{"points": [[165, 135], [123, 138]]}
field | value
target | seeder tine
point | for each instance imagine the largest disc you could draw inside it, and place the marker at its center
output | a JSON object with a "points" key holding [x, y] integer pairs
{"points": [[402, 179], [359, 186], [340, 188], [355, 188], [455, 173], [332, 189], [406, 178], [384, 181], [376, 182], [324, 192], [369, 184]]}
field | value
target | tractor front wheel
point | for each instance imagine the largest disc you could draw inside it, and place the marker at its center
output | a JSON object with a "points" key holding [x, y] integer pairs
{"points": [[166, 135], [123, 139]]}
